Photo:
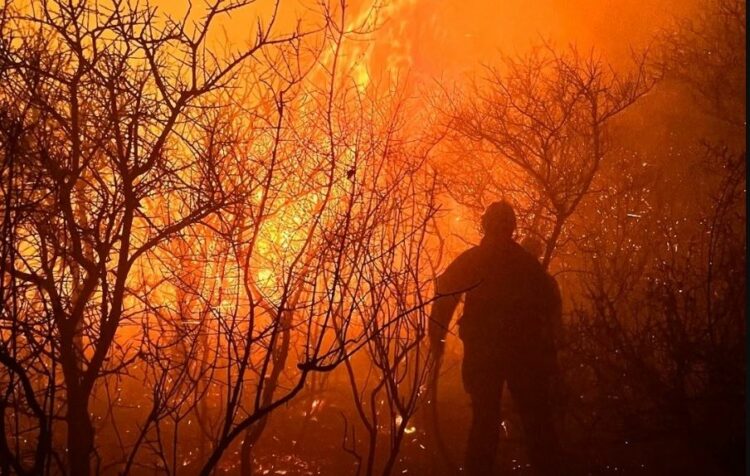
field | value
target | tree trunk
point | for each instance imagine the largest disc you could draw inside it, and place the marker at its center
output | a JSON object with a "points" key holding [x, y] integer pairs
{"points": [[279, 358], [80, 434]]}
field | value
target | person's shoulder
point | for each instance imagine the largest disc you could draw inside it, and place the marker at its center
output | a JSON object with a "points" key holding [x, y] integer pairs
{"points": [[526, 259], [469, 254], [520, 253], [462, 265], [470, 258]]}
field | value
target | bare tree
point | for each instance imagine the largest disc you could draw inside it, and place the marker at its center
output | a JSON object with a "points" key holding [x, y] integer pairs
{"points": [[707, 52], [542, 123], [655, 331], [393, 278], [653, 335], [113, 91]]}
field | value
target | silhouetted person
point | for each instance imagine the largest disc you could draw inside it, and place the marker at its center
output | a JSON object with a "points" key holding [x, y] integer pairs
{"points": [[505, 329]]}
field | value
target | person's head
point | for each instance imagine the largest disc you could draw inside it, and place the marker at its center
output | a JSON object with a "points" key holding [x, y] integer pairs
{"points": [[533, 246], [499, 220]]}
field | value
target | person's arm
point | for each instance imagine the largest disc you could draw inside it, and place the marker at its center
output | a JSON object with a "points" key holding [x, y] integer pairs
{"points": [[449, 288]]}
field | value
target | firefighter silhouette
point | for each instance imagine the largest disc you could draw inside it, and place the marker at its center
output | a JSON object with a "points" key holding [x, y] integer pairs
{"points": [[507, 329]]}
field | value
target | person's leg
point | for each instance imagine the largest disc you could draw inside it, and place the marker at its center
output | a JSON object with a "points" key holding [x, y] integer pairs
{"points": [[484, 386], [531, 395], [484, 434]]}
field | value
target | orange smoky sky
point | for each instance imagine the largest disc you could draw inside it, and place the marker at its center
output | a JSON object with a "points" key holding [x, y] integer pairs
{"points": [[429, 38]]}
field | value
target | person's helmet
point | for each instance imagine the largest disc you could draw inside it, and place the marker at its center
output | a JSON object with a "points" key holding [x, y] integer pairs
{"points": [[499, 220]]}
